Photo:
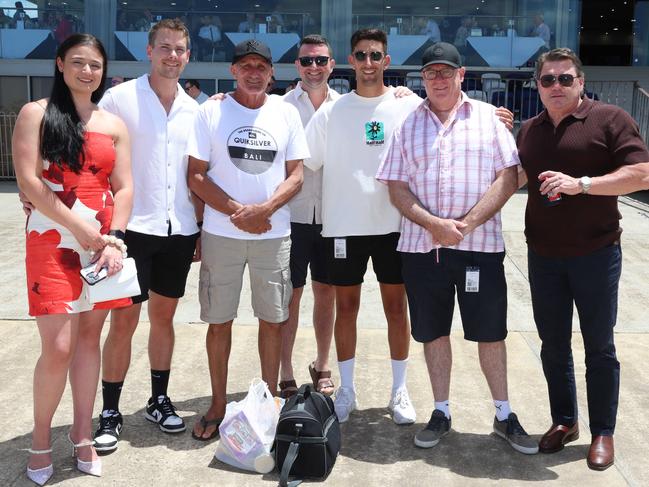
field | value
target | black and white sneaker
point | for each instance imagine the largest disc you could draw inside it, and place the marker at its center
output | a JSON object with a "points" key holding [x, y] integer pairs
{"points": [[110, 427], [162, 412]]}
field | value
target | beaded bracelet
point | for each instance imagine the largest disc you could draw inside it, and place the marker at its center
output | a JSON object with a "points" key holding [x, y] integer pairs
{"points": [[113, 241]]}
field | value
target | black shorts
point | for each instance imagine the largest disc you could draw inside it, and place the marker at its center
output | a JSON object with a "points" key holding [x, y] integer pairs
{"points": [[349, 271], [431, 283], [307, 250], [162, 262]]}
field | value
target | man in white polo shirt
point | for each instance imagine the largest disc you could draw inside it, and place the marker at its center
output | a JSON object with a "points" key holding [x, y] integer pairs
{"points": [[245, 163], [162, 232]]}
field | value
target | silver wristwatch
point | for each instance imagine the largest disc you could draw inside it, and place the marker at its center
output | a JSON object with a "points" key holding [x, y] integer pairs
{"points": [[585, 183]]}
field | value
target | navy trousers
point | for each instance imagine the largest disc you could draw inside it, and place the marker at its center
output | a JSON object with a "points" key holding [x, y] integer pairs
{"points": [[589, 282]]}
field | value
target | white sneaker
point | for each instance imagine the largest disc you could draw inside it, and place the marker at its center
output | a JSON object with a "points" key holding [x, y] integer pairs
{"points": [[345, 403], [401, 408]]}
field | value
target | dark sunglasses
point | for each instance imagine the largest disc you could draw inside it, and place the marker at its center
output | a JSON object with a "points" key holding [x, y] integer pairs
{"points": [[306, 61], [375, 56], [566, 80]]}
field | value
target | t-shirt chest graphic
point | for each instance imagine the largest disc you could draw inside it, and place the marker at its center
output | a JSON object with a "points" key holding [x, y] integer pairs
{"points": [[252, 149], [374, 133]]}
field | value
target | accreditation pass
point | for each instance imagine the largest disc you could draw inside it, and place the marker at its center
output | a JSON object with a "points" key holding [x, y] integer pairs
{"points": [[472, 282], [340, 248]]}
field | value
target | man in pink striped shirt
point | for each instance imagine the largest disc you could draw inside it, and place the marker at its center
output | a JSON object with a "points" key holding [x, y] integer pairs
{"points": [[450, 168]]}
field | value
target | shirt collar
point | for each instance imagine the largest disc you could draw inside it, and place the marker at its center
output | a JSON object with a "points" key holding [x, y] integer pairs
{"points": [[300, 92], [466, 103]]}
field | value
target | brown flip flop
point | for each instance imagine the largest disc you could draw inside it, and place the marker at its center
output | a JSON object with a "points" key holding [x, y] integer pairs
{"points": [[287, 388], [321, 380]]}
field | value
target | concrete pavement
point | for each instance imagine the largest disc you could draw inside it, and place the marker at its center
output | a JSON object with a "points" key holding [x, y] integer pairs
{"points": [[375, 451]]}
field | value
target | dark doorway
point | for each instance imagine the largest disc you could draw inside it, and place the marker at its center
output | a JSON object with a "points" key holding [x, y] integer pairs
{"points": [[606, 32]]}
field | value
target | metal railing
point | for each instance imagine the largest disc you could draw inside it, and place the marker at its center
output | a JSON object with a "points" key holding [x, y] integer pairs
{"points": [[7, 122], [640, 110]]}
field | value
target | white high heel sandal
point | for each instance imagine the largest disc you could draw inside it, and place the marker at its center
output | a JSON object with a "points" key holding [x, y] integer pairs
{"points": [[40, 475], [91, 468]]}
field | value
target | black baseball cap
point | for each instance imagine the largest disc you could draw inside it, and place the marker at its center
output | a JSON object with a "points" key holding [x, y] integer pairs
{"points": [[251, 46], [441, 53]]}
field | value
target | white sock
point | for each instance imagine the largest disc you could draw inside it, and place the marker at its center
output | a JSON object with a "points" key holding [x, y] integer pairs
{"points": [[399, 370], [443, 407], [503, 409], [346, 368]]}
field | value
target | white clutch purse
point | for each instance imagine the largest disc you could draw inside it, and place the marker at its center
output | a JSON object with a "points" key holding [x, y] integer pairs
{"points": [[124, 284]]}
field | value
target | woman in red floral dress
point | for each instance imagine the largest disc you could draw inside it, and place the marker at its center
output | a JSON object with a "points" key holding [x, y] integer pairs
{"points": [[72, 162]]}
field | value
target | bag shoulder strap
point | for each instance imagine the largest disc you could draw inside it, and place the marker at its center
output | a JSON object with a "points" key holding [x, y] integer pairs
{"points": [[291, 455]]}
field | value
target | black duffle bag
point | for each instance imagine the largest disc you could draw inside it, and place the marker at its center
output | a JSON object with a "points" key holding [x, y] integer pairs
{"points": [[307, 439]]}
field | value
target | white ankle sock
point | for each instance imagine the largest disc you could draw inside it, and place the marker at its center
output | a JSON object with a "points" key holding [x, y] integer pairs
{"points": [[503, 409], [443, 407], [346, 368], [399, 371]]}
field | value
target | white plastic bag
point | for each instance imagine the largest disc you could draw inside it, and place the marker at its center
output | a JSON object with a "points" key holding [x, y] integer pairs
{"points": [[248, 428]]}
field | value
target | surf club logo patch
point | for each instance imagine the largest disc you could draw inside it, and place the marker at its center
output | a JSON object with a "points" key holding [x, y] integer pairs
{"points": [[374, 133], [252, 149]]}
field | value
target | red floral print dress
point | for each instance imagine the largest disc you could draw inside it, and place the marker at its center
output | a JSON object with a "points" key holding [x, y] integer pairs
{"points": [[53, 256]]}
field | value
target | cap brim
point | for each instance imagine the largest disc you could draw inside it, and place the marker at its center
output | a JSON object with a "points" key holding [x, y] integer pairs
{"points": [[236, 59], [441, 61]]}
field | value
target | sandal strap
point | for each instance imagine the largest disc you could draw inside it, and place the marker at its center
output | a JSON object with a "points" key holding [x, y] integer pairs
{"points": [[209, 422], [39, 452], [316, 375], [288, 384], [83, 443], [323, 374]]}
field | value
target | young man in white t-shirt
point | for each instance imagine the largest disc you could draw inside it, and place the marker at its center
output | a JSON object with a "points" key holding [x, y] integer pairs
{"points": [[314, 64], [245, 163], [347, 138]]}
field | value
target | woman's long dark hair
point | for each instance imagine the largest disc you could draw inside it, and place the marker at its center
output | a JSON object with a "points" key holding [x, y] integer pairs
{"points": [[62, 131]]}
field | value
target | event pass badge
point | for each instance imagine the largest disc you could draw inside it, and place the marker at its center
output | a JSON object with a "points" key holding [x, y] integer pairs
{"points": [[340, 248], [472, 282]]}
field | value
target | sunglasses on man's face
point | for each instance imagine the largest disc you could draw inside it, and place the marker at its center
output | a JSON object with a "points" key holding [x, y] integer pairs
{"points": [[306, 61], [566, 80], [375, 56]]}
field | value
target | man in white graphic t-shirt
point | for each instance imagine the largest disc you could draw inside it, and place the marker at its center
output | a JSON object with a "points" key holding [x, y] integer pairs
{"points": [[347, 139], [245, 163]]}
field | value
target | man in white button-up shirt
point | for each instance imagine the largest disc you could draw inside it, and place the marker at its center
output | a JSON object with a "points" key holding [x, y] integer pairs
{"points": [[314, 65], [162, 232]]}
